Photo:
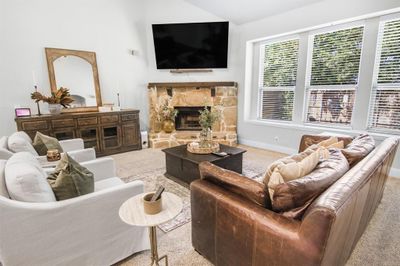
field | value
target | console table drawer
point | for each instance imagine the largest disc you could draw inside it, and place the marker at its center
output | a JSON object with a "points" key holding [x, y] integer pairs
{"points": [[34, 125], [59, 123], [129, 117], [87, 121], [109, 119]]}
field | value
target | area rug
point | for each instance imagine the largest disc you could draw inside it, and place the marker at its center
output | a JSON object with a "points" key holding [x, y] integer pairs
{"points": [[379, 245], [153, 179]]}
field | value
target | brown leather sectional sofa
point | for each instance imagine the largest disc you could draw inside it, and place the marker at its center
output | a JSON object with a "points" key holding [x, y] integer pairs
{"points": [[230, 228]]}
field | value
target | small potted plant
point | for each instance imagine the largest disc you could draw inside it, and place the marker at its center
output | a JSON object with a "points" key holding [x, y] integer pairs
{"points": [[168, 114], [206, 120], [57, 100]]}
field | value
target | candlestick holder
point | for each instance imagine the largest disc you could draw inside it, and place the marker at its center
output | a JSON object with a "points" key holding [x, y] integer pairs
{"points": [[37, 103]]}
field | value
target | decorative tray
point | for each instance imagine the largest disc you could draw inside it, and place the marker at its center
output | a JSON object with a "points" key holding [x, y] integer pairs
{"points": [[194, 147]]}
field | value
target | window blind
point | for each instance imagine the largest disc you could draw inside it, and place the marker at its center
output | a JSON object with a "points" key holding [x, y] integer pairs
{"points": [[385, 111], [334, 76], [278, 79]]}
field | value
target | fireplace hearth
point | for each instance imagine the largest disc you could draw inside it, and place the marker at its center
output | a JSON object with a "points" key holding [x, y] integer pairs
{"points": [[188, 118]]}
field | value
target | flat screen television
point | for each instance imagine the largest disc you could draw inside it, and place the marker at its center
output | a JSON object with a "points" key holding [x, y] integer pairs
{"points": [[191, 45]]}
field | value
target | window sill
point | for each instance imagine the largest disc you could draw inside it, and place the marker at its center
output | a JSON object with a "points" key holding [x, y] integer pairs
{"points": [[318, 129]]}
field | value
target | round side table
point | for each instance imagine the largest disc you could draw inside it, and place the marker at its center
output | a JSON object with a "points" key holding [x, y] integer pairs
{"points": [[132, 213]]}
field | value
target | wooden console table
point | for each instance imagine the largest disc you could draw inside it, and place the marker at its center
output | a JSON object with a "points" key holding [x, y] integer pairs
{"points": [[107, 132]]}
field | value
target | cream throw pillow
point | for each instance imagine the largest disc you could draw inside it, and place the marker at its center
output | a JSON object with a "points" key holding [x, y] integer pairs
{"points": [[337, 145], [26, 180], [326, 143], [290, 168]]}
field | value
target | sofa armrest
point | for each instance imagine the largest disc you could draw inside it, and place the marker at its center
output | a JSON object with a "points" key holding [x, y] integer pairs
{"points": [[308, 140], [83, 155], [230, 230], [72, 144], [83, 223], [236, 183], [101, 168]]}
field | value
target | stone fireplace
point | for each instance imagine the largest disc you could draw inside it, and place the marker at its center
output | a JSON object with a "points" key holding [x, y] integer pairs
{"points": [[188, 118], [188, 99]]}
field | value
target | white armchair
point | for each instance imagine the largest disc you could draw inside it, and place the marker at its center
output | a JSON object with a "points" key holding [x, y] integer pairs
{"points": [[20, 141], [81, 231]]}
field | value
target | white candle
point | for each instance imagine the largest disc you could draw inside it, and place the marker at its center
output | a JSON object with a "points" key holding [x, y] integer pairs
{"points": [[34, 78]]}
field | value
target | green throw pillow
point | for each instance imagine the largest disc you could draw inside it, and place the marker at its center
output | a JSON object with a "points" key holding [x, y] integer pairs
{"points": [[43, 143], [70, 179]]}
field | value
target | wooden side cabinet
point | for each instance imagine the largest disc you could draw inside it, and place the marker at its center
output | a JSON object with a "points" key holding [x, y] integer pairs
{"points": [[108, 133]]}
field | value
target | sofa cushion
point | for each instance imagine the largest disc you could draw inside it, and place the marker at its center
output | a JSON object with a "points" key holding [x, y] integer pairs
{"points": [[26, 180], [290, 168], [360, 147], [20, 142], [3, 187], [107, 183], [292, 198], [42, 143], [70, 179]]}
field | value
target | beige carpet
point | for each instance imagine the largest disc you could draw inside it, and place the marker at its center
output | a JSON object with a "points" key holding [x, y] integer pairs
{"points": [[380, 244]]}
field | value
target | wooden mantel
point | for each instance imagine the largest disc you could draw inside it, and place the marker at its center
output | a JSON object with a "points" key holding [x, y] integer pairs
{"points": [[193, 84]]}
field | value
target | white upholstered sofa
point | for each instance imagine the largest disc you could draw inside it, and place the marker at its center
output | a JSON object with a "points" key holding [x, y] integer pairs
{"points": [[85, 230], [20, 141]]}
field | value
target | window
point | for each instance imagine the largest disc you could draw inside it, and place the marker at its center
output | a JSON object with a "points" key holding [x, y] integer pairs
{"points": [[385, 111], [278, 79], [333, 78]]}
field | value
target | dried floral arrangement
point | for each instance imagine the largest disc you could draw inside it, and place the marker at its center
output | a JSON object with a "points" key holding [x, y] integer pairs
{"points": [[208, 117], [61, 96], [164, 110]]}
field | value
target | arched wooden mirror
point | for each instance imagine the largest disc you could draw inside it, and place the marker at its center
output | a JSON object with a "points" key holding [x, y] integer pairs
{"points": [[77, 71]]}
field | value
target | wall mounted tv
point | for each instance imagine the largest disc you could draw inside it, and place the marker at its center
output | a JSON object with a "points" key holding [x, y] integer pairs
{"points": [[191, 45]]}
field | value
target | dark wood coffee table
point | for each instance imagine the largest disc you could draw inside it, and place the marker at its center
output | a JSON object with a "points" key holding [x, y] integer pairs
{"points": [[184, 166]]}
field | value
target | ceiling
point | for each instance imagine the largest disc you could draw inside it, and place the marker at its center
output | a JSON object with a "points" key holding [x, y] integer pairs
{"points": [[243, 11]]}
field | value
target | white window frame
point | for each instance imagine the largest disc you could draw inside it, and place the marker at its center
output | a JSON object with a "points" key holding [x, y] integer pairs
{"points": [[261, 88], [309, 88], [375, 85]]}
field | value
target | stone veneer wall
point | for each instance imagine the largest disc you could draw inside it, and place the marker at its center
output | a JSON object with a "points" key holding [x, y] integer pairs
{"points": [[196, 94]]}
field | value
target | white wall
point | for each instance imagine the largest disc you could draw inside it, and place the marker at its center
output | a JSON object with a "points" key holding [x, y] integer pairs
{"points": [[109, 28], [286, 138], [177, 11]]}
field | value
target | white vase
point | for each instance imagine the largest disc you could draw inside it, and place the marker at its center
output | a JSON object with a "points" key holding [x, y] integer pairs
{"points": [[55, 109]]}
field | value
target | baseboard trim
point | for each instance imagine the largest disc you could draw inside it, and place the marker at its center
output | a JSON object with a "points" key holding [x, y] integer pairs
{"points": [[267, 146], [394, 172]]}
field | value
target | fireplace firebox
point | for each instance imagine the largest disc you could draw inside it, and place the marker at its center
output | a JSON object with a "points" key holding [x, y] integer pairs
{"points": [[188, 118]]}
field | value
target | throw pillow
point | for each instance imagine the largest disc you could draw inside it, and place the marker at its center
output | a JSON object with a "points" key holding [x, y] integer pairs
{"points": [[293, 198], [326, 143], [360, 147], [26, 180], [43, 143], [309, 140], [290, 168], [337, 145], [20, 142], [70, 179]]}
